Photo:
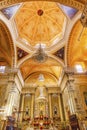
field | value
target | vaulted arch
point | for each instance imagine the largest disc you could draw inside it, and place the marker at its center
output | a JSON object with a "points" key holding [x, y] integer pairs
{"points": [[77, 46], [6, 46]]}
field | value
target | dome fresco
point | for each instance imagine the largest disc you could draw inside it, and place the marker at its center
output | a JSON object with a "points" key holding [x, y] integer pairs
{"points": [[40, 22]]}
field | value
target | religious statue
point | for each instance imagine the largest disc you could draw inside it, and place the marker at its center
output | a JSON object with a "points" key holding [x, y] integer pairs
{"points": [[27, 110], [55, 110]]}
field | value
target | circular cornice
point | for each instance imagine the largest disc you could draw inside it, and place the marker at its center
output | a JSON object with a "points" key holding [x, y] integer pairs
{"points": [[76, 4]]}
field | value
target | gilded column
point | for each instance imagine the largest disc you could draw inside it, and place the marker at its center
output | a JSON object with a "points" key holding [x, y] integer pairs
{"points": [[50, 106], [32, 107]]}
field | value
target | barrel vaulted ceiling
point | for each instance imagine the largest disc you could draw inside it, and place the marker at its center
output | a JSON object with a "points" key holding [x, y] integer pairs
{"points": [[44, 23]]}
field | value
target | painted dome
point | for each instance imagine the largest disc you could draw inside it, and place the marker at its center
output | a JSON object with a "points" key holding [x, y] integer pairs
{"points": [[40, 22]]}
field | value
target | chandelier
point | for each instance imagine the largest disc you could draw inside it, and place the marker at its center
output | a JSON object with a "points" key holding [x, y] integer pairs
{"points": [[40, 56]]}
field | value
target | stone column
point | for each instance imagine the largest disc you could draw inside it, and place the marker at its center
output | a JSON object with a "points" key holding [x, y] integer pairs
{"points": [[21, 106], [71, 91], [50, 105], [60, 107], [11, 96], [78, 100], [32, 107]]}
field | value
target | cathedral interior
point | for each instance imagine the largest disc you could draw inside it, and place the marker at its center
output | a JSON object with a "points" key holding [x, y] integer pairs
{"points": [[43, 65]]}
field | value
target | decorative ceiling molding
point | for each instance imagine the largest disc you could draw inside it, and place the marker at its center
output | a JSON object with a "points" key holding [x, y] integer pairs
{"points": [[76, 4], [9, 40]]}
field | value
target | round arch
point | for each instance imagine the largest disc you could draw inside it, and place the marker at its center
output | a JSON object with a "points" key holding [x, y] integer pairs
{"points": [[33, 79], [43, 72], [77, 51], [8, 42]]}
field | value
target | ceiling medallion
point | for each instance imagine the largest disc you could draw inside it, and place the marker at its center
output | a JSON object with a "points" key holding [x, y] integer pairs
{"points": [[40, 12], [40, 56]]}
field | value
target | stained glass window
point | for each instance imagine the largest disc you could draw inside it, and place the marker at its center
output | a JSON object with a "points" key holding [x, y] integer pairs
{"points": [[70, 12], [10, 11]]}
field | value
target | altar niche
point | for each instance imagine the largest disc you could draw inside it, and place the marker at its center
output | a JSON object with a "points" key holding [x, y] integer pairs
{"points": [[55, 106], [41, 103], [27, 106]]}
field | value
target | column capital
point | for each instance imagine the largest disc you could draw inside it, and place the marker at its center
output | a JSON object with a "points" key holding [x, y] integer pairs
{"points": [[11, 77]]}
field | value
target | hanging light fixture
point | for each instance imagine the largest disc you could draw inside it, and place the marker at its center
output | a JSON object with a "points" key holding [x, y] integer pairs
{"points": [[40, 56]]}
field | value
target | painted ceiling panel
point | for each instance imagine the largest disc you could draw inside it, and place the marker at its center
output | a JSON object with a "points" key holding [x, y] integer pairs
{"points": [[21, 53], [60, 53]]}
